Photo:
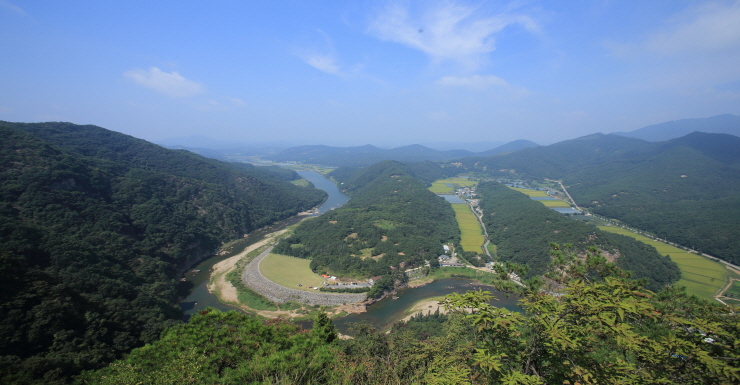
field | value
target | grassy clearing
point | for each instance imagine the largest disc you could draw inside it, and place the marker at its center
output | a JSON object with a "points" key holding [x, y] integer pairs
{"points": [[471, 238], [385, 224], [365, 253], [289, 272], [493, 249], [300, 182], [461, 272], [701, 276], [440, 187]]}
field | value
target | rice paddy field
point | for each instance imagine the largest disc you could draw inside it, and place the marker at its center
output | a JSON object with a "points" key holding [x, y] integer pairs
{"points": [[471, 237], [289, 272], [554, 203], [541, 194], [701, 276], [531, 193], [441, 186]]}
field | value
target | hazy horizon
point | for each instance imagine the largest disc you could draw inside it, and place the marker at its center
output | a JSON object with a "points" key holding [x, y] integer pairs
{"points": [[380, 73]]}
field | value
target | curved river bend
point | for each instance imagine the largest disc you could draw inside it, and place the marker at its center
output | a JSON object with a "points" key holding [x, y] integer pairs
{"points": [[380, 314]]}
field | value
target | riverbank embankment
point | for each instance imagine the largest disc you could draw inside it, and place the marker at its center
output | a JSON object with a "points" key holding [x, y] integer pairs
{"points": [[253, 278]]}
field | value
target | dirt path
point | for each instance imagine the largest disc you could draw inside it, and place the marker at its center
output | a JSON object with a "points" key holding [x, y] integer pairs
{"points": [[223, 289]]}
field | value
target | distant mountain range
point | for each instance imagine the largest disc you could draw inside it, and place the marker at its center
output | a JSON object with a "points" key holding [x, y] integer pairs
{"points": [[293, 151], [720, 124], [369, 154], [685, 189]]}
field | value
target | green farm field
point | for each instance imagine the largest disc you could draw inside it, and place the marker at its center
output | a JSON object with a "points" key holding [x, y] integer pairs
{"points": [[289, 272], [471, 237], [555, 203], [531, 193], [541, 194], [439, 187], [701, 276]]}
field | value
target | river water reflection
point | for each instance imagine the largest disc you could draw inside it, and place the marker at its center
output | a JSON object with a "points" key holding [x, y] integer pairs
{"points": [[385, 313], [381, 315]]}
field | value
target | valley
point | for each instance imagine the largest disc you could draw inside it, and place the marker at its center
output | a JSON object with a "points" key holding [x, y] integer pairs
{"points": [[380, 243]]}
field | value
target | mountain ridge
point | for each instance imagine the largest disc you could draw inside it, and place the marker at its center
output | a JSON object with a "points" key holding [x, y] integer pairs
{"points": [[718, 124]]}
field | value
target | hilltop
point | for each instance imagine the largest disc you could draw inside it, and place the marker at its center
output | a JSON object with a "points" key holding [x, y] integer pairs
{"points": [[719, 124]]}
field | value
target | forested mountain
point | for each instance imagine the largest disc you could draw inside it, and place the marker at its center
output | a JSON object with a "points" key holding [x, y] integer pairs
{"points": [[391, 221], [686, 190], [720, 124], [509, 147], [368, 154], [522, 230], [351, 179], [95, 228]]}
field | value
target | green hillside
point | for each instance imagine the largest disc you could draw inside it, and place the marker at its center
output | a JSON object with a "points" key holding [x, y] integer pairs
{"points": [[391, 219], [686, 190], [522, 230], [95, 228]]}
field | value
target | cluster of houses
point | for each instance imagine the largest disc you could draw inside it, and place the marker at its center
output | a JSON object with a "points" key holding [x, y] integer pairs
{"points": [[335, 284], [448, 261], [466, 191]]}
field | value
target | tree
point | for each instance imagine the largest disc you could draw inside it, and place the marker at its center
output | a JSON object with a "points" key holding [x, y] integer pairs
{"points": [[603, 328], [323, 328]]}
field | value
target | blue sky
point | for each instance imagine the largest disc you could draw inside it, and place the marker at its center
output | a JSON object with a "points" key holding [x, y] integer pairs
{"points": [[368, 72]]}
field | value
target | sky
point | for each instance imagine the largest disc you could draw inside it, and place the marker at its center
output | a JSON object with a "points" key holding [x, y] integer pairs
{"points": [[368, 72]]}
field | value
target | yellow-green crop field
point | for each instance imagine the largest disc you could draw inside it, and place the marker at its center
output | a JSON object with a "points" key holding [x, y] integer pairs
{"points": [[555, 203], [541, 194], [531, 193], [289, 271], [439, 186], [701, 276], [471, 237]]}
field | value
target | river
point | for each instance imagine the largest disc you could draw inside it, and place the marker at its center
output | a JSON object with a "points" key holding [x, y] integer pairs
{"points": [[380, 315], [200, 298]]}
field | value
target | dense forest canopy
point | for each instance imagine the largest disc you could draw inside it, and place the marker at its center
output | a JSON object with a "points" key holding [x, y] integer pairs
{"points": [[523, 229], [685, 190], [95, 227], [391, 221]]}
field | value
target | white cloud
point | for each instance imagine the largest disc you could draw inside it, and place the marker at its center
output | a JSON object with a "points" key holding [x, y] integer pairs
{"points": [[474, 81], [324, 63], [5, 110], [710, 27], [324, 59], [446, 31], [172, 84], [12, 7]]}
